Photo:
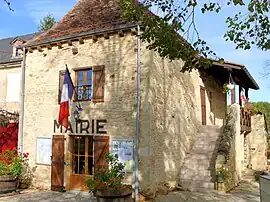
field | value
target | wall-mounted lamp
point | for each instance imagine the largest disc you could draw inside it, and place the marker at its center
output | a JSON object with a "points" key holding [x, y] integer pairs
{"points": [[76, 115]]}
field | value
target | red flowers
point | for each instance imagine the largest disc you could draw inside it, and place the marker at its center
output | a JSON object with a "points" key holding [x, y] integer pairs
{"points": [[25, 155]]}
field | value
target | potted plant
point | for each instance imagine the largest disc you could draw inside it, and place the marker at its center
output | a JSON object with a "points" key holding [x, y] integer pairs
{"points": [[11, 164], [106, 184]]}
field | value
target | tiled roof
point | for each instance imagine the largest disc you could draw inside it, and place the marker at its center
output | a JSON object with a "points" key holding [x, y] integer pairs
{"points": [[6, 47], [86, 15]]}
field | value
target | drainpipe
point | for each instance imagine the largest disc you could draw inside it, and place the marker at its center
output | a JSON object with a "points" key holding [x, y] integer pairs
{"points": [[138, 115], [20, 135]]}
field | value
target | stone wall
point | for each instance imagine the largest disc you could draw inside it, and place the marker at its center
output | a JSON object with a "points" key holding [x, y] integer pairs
{"points": [[171, 116], [118, 54], [229, 156], [257, 143], [170, 105]]}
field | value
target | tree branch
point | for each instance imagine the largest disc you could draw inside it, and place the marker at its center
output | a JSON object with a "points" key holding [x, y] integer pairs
{"points": [[8, 4]]}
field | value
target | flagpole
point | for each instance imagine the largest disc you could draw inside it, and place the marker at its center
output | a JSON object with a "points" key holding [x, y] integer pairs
{"points": [[138, 115]]}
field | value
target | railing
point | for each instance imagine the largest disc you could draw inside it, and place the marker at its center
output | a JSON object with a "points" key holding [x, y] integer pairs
{"points": [[245, 120], [83, 93]]}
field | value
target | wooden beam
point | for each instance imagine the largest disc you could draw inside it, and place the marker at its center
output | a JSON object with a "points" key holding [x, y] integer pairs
{"points": [[94, 38], [49, 46], [59, 44], [133, 31], [81, 41], [233, 96], [121, 33], [69, 42], [246, 94], [106, 36], [39, 48]]}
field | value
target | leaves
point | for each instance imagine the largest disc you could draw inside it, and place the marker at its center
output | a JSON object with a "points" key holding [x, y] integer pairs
{"points": [[46, 23], [174, 34]]}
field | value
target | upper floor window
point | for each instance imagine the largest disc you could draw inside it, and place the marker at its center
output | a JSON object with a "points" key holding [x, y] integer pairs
{"points": [[84, 83], [89, 84]]}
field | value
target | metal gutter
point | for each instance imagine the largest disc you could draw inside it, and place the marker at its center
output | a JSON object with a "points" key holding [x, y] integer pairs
{"points": [[21, 117], [95, 32]]}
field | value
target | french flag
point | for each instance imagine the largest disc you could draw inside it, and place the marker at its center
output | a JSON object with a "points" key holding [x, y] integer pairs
{"points": [[67, 93]]}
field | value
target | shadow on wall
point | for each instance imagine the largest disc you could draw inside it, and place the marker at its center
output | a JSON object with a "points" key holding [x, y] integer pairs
{"points": [[216, 97], [170, 108]]}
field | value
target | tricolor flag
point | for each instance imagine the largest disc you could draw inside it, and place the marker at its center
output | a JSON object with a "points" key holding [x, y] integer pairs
{"points": [[67, 93]]}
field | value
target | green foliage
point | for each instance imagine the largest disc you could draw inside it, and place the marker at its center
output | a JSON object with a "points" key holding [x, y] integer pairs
{"points": [[263, 107], [105, 178], [46, 23], [172, 33], [12, 163]]}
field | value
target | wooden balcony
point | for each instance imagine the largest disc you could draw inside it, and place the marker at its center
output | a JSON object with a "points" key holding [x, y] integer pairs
{"points": [[245, 120]]}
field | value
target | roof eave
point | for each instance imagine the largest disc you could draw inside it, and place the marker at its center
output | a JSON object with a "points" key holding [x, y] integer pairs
{"points": [[83, 34]]}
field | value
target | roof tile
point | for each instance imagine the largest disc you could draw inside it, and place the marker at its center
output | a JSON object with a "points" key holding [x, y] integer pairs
{"points": [[86, 15]]}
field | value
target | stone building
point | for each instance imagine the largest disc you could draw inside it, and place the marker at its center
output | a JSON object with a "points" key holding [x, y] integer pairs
{"points": [[99, 48], [10, 67]]}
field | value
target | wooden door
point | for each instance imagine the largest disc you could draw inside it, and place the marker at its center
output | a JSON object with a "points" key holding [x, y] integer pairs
{"points": [[82, 158], [101, 147], [203, 105], [58, 161]]}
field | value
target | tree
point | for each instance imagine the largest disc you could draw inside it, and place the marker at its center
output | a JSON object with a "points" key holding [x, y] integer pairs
{"points": [[169, 32], [46, 23], [263, 107]]}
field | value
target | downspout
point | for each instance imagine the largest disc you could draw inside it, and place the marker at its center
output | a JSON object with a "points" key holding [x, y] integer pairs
{"points": [[138, 114], [21, 117]]}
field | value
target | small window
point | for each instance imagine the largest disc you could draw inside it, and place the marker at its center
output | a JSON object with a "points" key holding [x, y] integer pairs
{"points": [[84, 85], [90, 84]]}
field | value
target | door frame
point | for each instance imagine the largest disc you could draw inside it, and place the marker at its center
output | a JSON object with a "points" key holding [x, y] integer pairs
{"points": [[70, 143], [203, 104]]}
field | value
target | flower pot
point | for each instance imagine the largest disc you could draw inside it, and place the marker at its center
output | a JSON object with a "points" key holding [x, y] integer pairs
{"points": [[8, 184], [110, 195], [219, 178]]}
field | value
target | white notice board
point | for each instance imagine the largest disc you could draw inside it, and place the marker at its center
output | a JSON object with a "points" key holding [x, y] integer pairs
{"points": [[43, 150], [124, 150]]}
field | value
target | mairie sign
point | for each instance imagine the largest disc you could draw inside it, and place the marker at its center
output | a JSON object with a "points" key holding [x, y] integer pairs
{"points": [[82, 126]]}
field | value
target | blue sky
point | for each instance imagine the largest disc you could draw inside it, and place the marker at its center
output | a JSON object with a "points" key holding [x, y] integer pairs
{"points": [[212, 27]]}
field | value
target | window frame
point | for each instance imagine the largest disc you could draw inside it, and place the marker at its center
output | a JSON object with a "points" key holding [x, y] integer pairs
{"points": [[83, 69]]}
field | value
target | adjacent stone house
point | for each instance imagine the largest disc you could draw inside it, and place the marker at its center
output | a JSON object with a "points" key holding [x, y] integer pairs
{"points": [[99, 48], [10, 67]]}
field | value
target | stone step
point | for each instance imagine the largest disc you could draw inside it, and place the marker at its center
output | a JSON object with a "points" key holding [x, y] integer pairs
{"points": [[202, 147], [197, 177], [187, 173], [209, 129], [199, 156], [199, 166], [193, 184]]}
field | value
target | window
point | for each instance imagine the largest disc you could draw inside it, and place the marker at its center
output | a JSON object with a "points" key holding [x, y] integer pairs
{"points": [[84, 84], [89, 84], [13, 87]]}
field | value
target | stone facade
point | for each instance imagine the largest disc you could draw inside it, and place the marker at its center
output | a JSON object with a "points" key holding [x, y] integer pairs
{"points": [[257, 143], [170, 104], [5, 69]]}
